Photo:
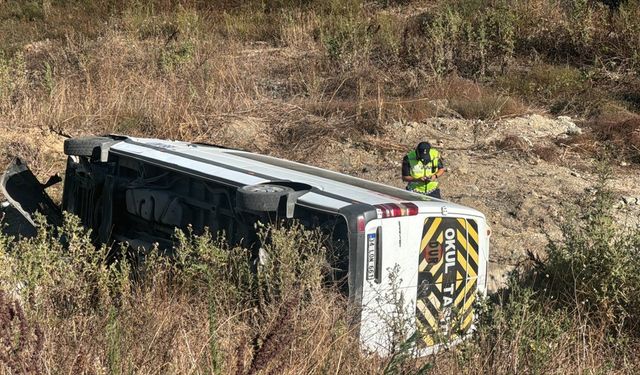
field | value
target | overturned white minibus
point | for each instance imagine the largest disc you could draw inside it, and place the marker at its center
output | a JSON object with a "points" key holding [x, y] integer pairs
{"points": [[431, 252]]}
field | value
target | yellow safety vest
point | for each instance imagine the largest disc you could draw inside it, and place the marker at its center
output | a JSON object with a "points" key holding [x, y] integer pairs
{"points": [[419, 170]]}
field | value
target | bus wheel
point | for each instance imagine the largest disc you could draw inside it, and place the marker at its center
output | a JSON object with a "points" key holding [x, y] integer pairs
{"points": [[263, 198], [94, 147]]}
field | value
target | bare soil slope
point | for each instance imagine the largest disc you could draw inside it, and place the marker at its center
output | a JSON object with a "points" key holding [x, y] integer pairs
{"points": [[524, 196], [506, 176]]}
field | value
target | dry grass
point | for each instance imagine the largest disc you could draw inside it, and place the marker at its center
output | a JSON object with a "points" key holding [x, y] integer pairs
{"points": [[621, 138], [548, 153], [514, 144], [22, 340], [205, 312], [302, 70], [610, 136], [283, 77], [522, 147]]}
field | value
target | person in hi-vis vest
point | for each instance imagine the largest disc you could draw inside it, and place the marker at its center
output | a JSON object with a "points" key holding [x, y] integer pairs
{"points": [[421, 168]]}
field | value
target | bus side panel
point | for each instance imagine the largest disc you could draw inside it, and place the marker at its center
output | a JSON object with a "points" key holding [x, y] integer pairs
{"points": [[390, 282]]}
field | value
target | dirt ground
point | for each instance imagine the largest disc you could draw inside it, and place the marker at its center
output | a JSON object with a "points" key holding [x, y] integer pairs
{"points": [[524, 196]]}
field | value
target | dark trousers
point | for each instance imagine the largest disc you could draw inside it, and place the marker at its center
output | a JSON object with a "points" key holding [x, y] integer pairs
{"points": [[435, 194]]}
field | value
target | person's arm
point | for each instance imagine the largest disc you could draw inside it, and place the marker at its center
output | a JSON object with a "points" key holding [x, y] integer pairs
{"points": [[440, 172], [411, 179], [406, 172]]}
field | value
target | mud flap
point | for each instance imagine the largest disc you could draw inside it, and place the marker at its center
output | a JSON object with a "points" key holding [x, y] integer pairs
{"points": [[448, 276], [27, 195]]}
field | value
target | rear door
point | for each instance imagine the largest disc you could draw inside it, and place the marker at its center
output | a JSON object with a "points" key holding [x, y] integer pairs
{"points": [[447, 279]]}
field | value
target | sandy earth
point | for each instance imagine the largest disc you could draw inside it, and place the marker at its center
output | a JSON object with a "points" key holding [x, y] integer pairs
{"points": [[524, 197]]}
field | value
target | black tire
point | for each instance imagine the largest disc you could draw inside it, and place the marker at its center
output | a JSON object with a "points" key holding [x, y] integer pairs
{"points": [[84, 146], [263, 198]]}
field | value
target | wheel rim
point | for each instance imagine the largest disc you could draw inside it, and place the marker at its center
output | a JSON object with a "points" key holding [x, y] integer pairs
{"points": [[266, 189]]}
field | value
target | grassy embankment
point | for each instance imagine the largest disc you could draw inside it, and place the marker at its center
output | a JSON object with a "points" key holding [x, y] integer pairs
{"points": [[303, 71]]}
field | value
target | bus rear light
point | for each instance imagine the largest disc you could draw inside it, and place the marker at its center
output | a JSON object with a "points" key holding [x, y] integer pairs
{"points": [[361, 223], [396, 210], [412, 209]]}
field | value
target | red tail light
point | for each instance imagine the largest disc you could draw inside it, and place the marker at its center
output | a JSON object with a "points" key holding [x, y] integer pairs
{"points": [[361, 223], [396, 210]]}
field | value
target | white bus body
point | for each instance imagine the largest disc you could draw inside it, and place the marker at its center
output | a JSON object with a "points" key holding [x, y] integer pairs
{"points": [[431, 252]]}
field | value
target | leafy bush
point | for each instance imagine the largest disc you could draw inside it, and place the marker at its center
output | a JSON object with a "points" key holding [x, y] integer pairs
{"points": [[562, 88], [575, 309], [80, 312], [521, 332], [596, 268], [13, 80], [62, 273], [25, 10]]}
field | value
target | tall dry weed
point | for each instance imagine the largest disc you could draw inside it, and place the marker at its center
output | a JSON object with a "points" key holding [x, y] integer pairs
{"points": [[21, 339], [284, 77], [213, 308]]}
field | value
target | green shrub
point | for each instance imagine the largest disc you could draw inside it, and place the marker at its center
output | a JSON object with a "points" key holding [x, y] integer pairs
{"points": [[175, 55], [31, 10], [596, 267], [522, 329], [344, 33], [207, 265], [13, 80], [291, 261], [464, 37], [62, 272], [561, 88], [582, 297]]}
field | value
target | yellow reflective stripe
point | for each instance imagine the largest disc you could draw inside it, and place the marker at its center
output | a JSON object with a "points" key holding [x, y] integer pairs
{"points": [[473, 252], [426, 313], [470, 285], [461, 295], [469, 302], [430, 232], [467, 322], [423, 265], [473, 234], [428, 340], [463, 222], [462, 260], [436, 267], [469, 249]]}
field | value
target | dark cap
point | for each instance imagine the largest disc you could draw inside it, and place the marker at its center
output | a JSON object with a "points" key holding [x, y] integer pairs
{"points": [[422, 150]]}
